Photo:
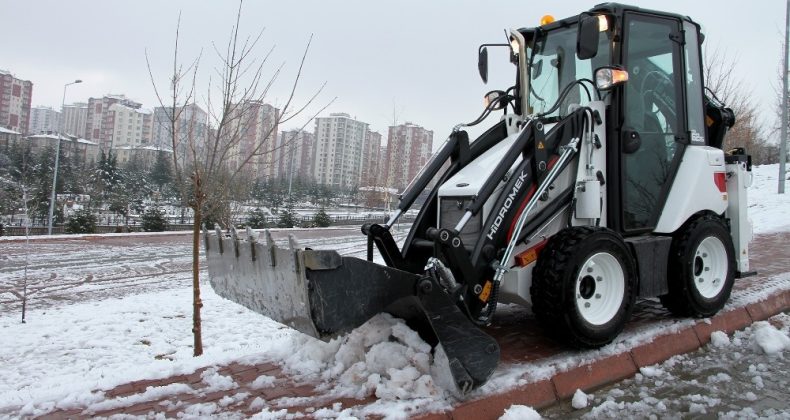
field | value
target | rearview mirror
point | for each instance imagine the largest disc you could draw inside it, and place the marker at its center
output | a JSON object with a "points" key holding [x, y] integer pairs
{"points": [[482, 63], [587, 37]]}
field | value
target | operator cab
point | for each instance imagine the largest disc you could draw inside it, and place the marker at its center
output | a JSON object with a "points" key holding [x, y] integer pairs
{"points": [[653, 91]]}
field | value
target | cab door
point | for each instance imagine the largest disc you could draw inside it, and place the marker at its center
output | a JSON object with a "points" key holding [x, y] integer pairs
{"points": [[653, 115]]}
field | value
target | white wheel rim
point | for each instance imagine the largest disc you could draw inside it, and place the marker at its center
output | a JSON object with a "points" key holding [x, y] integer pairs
{"points": [[709, 267], [600, 288]]}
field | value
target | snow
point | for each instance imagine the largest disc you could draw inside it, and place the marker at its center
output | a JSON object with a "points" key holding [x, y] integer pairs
{"points": [[263, 381], [70, 353], [768, 339], [520, 412], [719, 339], [579, 399], [715, 381], [768, 210]]}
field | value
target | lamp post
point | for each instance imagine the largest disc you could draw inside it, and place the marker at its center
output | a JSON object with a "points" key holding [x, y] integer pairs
{"points": [[783, 141], [57, 161]]}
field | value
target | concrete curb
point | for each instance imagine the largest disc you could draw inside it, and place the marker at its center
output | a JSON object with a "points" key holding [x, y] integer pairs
{"points": [[592, 376]]}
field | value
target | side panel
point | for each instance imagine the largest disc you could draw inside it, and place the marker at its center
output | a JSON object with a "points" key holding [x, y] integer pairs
{"points": [[694, 188], [738, 180]]}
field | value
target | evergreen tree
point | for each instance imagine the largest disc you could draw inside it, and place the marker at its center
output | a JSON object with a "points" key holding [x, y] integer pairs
{"points": [[256, 219], [135, 184], [160, 173], [82, 221], [321, 219], [154, 220], [287, 216], [41, 181]]}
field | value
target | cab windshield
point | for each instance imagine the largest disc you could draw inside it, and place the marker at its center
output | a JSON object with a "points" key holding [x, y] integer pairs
{"points": [[554, 65]]}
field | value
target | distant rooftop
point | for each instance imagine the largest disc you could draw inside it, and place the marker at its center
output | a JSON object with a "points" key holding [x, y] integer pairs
{"points": [[151, 148], [5, 130]]}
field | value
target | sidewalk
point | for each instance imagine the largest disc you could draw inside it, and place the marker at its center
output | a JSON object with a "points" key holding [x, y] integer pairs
{"points": [[241, 390]]}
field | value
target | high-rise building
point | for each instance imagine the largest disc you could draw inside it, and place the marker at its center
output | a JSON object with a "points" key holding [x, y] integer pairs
{"points": [[295, 154], [73, 118], [99, 125], [191, 130], [15, 97], [339, 142], [408, 150], [371, 160], [251, 137], [128, 126], [44, 119]]}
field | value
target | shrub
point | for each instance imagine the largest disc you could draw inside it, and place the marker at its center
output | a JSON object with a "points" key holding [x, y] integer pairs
{"points": [[287, 219], [321, 219], [154, 220], [256, 219], [82, 221]]}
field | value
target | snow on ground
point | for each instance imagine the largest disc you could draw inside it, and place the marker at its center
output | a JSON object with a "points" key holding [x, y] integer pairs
{"points": [[769, 211], [72, 347], [742, 377], [61, 355]]}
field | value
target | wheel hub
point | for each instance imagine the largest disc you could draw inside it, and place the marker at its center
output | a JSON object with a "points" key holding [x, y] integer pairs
{"points": [[600, 288], [710, 267]]}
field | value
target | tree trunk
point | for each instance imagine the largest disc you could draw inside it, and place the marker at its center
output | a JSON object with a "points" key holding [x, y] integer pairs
{"points": [[196, 302]]}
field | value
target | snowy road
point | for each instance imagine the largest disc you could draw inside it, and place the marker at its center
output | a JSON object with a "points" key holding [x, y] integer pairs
{"points": [[83, 269]]}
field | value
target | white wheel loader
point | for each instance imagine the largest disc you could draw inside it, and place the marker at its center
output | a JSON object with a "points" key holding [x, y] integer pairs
{"points": [[604, 180]]}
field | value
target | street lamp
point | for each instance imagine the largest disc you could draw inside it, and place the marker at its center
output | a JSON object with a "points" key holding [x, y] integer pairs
{"points": [[57, 160]]}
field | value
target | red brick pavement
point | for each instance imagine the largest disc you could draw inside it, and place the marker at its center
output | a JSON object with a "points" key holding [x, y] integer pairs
{"points": [[521, 341]]}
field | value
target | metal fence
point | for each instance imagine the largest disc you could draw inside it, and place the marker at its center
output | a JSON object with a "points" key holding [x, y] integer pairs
{"points": [[135, 227]]}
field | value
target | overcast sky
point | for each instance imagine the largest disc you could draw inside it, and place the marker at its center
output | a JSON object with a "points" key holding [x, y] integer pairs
{"points": [[409, 60]]}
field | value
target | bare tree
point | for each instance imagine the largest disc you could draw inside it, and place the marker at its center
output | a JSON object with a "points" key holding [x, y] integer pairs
{"points": [[210, 169], [719, 74]]}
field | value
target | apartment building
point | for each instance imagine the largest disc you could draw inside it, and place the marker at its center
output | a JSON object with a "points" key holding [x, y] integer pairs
{"points": [[145, 155], [15, 98], [409, 147], [128, 127], [252, 133], [372, 167], [191, 130], [339, 144], [73, 118], [99, 123], [88, 151], [44, 119], [295, 154]]}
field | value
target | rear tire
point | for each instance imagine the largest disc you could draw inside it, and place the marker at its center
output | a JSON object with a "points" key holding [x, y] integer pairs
{"points": [[583, 286], [701, 269]]}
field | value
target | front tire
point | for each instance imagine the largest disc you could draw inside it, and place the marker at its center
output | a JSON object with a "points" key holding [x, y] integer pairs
{"points": [[583, 286], [701, 269]]}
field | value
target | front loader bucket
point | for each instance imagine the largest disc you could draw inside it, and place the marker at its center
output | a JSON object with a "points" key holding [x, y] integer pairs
{"points": [[323, 294]]}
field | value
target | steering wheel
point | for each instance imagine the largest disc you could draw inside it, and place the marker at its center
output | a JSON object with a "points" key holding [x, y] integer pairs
{"points": [[654, 88]]}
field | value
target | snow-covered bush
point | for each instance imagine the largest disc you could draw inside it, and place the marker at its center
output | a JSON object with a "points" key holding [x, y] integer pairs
{"points": [[82, 221], [154, 220], [256, 219], [321, 219]]}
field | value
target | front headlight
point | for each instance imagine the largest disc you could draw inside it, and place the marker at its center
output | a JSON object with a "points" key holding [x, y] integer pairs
{"points": [[608, 77]]}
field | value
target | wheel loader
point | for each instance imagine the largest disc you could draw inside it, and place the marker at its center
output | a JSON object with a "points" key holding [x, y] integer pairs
{"points": [[603, 180]]}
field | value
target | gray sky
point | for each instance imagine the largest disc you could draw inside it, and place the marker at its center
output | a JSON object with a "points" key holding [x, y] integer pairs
{"points": [[412, 59]]}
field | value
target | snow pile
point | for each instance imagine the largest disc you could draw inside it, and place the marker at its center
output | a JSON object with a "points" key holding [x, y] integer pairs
{"points": [[216, 382], [767, 209], [719, 339], [384, 357], [520, 412], [579, 400], [768, 339]]}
